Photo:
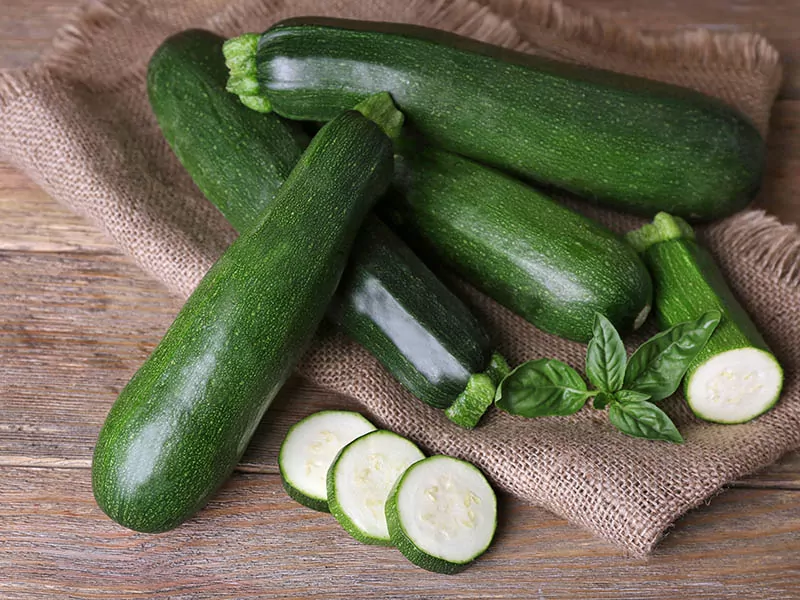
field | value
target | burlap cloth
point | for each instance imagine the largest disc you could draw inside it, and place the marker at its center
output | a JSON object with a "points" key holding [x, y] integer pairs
{"points": [[79, 124]]}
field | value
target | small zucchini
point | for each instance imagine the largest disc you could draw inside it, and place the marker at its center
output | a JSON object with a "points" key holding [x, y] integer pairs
{"points": [[388, 300], [181, 424], [735, 378], [633, 143], [549, 264]]}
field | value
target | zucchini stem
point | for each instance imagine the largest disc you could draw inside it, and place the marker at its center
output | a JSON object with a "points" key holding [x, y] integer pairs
{"points": [[664, 227], [478, 395], [240, 58], [380, 109]]}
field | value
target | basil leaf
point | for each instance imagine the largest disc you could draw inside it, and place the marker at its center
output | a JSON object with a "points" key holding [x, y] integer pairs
{"points": [[605, 357], [630, 396], [602, 400], [541, 388], [645, 420], [658, 365]]}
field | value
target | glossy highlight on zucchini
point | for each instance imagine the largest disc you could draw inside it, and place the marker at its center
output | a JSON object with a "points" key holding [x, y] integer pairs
{"points": [[388, 300], [632, 143], [181, 424]]}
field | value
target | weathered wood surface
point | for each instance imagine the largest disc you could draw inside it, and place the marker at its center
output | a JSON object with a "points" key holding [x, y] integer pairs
{"points": [[77, 318]]}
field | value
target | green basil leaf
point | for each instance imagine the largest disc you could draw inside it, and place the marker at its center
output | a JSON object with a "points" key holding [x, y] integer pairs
{"points": [[645, 420], [602, 400], [605, 357], [542, 388], [630, 396], [658, 365]]}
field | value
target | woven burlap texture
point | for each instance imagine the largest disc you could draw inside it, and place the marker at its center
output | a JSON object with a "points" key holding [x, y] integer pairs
{"points": [[79, 124]]}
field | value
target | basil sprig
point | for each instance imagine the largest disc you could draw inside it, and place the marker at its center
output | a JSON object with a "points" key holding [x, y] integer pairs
{"points": [[628, 387]]}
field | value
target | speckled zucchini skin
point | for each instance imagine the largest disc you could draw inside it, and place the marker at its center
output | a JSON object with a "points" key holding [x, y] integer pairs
{"points": [[186, 86], [687, 283], [183, 421], [397, 308], [548, 264], [632, 143], [388, 300]]}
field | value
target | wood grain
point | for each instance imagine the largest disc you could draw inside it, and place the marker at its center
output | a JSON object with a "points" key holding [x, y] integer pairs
{"points": [[77, 318], [253, 542]]}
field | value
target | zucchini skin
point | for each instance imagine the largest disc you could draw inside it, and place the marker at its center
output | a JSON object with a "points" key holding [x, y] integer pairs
{"points": [[687, 283], [550, 265], [185, 83], [183, 421], [388, 300], [632, 143], [395, 306]]}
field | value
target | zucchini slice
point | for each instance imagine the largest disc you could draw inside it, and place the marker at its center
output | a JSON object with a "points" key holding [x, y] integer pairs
{"points": [[360, 478], [309, 449], [735, 378], [442, 514]]}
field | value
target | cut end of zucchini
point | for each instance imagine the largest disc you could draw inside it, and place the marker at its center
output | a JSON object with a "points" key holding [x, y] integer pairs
{"points": [[471, 404], [664, 227], [240, 58], [360, 479], [735, 386], [380, 109], [475, 400], [442, 514], [309, 449]]}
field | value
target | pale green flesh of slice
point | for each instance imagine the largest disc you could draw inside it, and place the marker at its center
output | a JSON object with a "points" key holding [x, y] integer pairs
{"points": [[313, 443], [447, 509], [735, 386], [364, 475]]}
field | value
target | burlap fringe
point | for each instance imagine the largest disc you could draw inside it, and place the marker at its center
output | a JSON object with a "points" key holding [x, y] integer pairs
{"points": [[749, 51], [736, 51], [763, 240], [75, 37]]}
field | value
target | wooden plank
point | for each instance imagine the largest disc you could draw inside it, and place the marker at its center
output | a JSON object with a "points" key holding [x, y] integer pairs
{"points": [[26, 28], [777, 20], [252, 541]]}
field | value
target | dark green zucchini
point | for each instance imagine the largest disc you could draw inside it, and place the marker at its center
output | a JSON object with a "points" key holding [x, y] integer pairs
{"points": [[550, 265], [388, 301], [185, 418], [633, 143]]}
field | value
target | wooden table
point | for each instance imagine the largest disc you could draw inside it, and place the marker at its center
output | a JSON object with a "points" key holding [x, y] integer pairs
{"points": [[77, 318]]}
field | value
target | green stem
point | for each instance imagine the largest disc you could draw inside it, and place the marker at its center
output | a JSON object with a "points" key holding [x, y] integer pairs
{"points": [[478, 395], [240, 58], [664, 227], [380, 109]]}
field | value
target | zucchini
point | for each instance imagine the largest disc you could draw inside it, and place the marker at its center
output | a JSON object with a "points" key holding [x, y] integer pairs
{"points": [[442, 514], [388, 300], [185, 79], [360, 478], [548, 264], [309, 449], [735, 378], [635, 144], [181, 424], [393, 305]]}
